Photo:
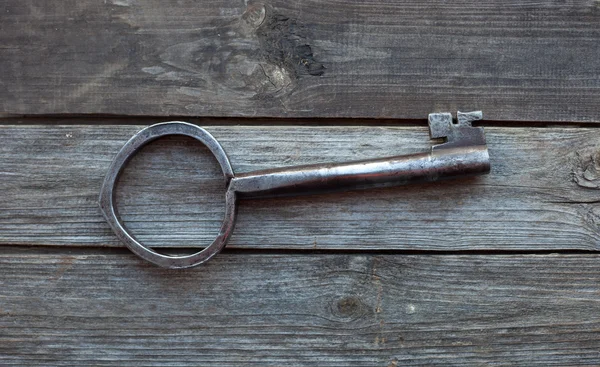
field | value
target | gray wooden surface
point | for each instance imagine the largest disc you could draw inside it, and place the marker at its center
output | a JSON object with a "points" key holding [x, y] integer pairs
{"points": [[518, 60], [499, 270], [104, 309], [542, 192]]}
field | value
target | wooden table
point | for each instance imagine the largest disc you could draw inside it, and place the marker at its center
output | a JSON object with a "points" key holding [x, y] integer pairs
{"points": [[497, 270]]}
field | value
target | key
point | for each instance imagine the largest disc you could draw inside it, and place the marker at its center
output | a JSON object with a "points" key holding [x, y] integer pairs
{"points": [[463, 153]]}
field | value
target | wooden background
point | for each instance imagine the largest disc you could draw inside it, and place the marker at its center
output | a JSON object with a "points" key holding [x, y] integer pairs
{"points": [[497, 270]]}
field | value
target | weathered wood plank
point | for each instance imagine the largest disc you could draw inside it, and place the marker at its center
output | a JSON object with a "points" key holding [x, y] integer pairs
{"points": [[516, 60], [300, 310], [542, 192]]}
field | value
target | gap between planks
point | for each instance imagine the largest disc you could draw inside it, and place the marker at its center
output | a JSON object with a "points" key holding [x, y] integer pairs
{"points": [[87, 119], [8, 249]]}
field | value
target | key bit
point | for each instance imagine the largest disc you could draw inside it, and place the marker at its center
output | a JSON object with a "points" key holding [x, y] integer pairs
{"points": [[459, 133]]}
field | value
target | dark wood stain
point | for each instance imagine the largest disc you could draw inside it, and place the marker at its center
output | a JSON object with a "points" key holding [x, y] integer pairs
{"points": [[283, 43]]}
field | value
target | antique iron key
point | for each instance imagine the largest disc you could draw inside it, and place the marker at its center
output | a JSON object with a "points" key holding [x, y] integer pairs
{"points": [[464, 153]]}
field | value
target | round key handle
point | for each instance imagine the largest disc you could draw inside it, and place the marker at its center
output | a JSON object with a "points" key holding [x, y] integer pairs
{"points": [[110, 212]]}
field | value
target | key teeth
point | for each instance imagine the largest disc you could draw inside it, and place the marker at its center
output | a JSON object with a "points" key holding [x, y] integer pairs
{"points": [[439, 124], [466, 118], [456, 134]]}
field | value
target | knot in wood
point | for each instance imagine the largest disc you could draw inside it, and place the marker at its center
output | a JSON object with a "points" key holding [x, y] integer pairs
{"points": [[349, 308], [255, 15], [587, 171]]}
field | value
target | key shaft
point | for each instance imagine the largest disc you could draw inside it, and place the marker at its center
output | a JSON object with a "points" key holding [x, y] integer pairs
{"points": [[464, 153], [383, 172]]}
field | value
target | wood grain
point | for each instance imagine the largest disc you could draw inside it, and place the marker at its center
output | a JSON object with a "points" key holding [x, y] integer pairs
{"points": [[300, 310], [542, 193], [516, 60]]}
